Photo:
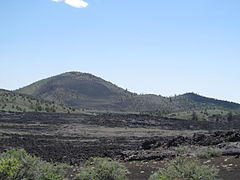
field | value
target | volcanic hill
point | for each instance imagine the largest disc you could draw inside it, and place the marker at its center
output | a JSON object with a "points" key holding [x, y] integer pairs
{"points": [[83, 90]]}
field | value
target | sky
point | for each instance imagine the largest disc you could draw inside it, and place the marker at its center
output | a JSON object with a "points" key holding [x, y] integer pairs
{"points": [[165, 47]]}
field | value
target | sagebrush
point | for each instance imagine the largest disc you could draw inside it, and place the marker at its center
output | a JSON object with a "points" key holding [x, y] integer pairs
{"points": [[185, 169], [18, 165], [102, 169]]}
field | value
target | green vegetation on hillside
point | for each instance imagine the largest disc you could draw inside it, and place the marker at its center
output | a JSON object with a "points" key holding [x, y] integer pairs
{"points": [[10, 101], [79, 90], [202, 115], [87, 91]]}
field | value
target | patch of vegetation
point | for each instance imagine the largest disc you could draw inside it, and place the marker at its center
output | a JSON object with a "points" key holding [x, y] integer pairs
{"points": [[18, 165], [208, 153], [102, 169], [182, 168], [205, 114], [182, 149], [10, 101]]}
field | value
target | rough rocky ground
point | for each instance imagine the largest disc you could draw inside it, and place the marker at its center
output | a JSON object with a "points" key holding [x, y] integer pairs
{"points": [[228, 167], [134, 139]]}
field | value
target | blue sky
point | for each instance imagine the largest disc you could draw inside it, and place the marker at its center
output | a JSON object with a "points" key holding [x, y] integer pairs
{"points": [[163, 47]]}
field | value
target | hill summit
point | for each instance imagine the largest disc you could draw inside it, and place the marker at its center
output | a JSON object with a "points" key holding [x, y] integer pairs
{"points": [[84, 90], [77, 89]]}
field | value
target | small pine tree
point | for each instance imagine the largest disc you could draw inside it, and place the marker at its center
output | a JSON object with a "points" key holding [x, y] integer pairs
{"points": [[229, 117], [194, 116]]}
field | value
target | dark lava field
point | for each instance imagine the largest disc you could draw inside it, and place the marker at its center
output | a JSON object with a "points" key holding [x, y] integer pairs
{"points": [[73, 138]]}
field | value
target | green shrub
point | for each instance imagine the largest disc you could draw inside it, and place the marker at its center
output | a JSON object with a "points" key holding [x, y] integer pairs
{"points": [[8, 166], [102, 169], [208, 153], [182, 168], [182, 149], [18, 165]]}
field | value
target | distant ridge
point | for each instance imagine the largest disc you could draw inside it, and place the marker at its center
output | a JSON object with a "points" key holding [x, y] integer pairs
{"points": [[84, 90], [202, 99]]}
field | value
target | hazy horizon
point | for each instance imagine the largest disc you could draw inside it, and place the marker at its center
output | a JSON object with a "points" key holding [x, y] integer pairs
{"points": [[157, 47]]}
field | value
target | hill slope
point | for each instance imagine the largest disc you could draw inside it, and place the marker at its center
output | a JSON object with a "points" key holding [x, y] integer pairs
{"points": [[10, 101], [88, 91], [78, 90]]}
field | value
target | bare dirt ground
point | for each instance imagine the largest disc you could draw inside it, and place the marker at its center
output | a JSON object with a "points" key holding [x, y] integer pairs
{"points": [[142, 142]]}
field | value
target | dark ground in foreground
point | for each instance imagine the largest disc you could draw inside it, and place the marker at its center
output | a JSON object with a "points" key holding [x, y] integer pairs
{"points": [[140, 141], [229, 168]]}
